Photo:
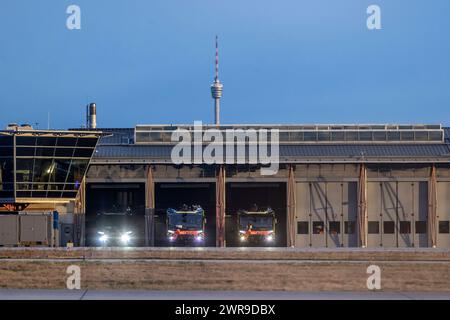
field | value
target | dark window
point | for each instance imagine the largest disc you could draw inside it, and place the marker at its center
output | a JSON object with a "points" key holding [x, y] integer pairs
{"points": [[310, 136], [6, 151], [318, 227], [405, 227], [296, 136], [6, 141], [421, 135], [351, 136], [407, 135], [302, 227], [373, 227], [24, 170], [421, 227], [66, 142], [64, 152], [87, 142], [349, 227], [365, 135], [444, 226], [324, 136], [25, 151], [337, 136], [435, 136], [46, 141], [45, 152], [83, 153], [335, 227], [284, 136], [26, 141], [379, 136], [389, 227], [393, 135]]}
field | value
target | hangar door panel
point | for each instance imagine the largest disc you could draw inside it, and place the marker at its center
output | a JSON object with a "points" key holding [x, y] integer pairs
{"points": [[303, 210], [389, 214], [408, 199], [443, 212], [421, 216], [350, 209], [318, 214], [374, 205], [334, 196]]}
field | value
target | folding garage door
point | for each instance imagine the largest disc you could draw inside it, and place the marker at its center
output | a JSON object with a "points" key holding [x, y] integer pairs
{"points": [[374, 209], [326, 214], [318, 214], [389, 214], [443, 212], [349, 212], [334, 197], [407, 202], [303, 210], [421, 216]]}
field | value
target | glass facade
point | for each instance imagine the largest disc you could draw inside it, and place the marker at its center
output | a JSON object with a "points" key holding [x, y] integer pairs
{"points": [[48, 165]]}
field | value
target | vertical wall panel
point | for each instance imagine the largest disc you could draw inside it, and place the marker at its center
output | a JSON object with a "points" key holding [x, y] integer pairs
{"points": [[389, 214], [443, 212], [350, 210], [407, 203], [374, 208], [303, 221], [318, 214], [334, 202], [421, 216]]}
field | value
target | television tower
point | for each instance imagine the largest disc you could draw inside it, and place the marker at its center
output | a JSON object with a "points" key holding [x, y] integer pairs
{"points": [[217, 87]]}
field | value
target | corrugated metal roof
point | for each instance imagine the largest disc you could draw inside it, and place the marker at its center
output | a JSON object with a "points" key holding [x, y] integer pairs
{"points": [[292, 152]]}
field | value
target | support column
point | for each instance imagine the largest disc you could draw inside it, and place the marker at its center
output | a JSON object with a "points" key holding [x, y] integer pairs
{"points": [[220, 206], [80, 215], [362, 206], [291, 205], [149, 208], [432, 208]]}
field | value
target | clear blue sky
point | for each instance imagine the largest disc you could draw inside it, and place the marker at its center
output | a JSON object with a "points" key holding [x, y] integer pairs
{"points": [[151, 61]]}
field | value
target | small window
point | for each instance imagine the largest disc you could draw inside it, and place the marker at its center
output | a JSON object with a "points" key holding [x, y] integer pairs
{"points": [[365, 136], [421, 227], [389, 227], [405, 227], [302, 227], [373, 227], [444, 226], [349, 227], [335, 227], [318, 227]]}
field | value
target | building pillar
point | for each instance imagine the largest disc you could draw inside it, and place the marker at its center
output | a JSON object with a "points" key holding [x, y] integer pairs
{"points": [[80, 215], [362, 206], [220, 206], [149, 208], [291, 206], [432, 208]]}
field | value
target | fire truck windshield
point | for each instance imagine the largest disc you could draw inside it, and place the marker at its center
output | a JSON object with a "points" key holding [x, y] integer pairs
{"points": [[185, 221], [257, 222]]}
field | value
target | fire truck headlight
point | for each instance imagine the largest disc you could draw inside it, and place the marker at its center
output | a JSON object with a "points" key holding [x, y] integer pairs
{"points": [[199, 236], [125, 237], [242, 238], [269, 238], [103, 237]]}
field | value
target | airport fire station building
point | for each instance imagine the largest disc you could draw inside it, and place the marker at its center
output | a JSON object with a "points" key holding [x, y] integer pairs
{"points": [[336, 186]]}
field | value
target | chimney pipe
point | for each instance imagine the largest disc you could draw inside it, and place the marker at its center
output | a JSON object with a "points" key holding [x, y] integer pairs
{"points": [[92, 116]]}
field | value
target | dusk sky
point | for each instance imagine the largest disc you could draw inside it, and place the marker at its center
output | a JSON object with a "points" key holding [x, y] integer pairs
{"points": [[152, 61]]}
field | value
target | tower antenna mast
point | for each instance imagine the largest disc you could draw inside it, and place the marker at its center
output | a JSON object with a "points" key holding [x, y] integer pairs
{"points": [[217, 87]]}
